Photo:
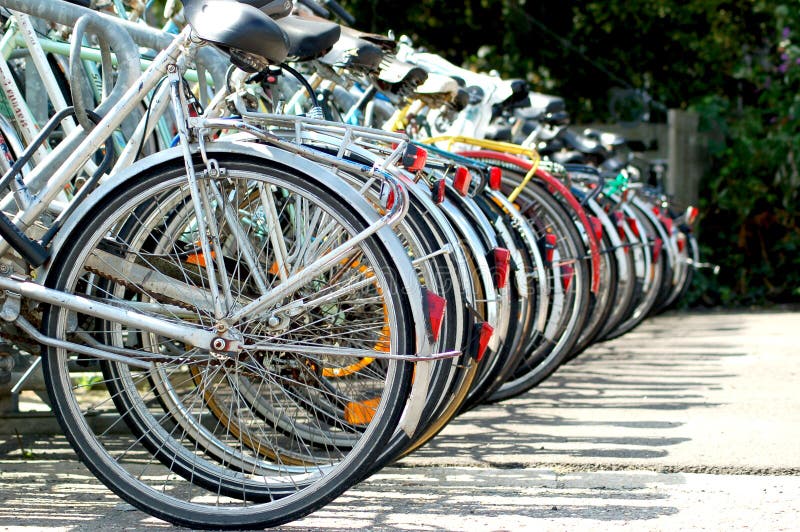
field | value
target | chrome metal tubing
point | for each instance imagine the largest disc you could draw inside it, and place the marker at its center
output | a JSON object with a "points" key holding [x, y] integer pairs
{"points": [[193, 336]]}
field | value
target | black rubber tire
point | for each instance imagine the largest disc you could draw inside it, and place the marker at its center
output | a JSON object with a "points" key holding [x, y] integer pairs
{"points": [[282, 506]]}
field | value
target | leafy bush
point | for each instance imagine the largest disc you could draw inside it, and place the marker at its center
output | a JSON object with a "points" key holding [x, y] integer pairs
{"points": [[733, 61], [750, 198]]}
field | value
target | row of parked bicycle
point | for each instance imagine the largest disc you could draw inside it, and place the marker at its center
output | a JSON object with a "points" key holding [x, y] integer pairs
{"points": [[262, 255]]}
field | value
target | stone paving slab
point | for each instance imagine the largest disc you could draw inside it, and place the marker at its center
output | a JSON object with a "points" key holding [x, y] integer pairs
{"points": [[450, 499], [716, 392], [690, 422]]}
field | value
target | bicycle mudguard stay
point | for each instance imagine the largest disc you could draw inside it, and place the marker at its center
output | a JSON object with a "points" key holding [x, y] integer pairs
{"points": [[313, 172]]}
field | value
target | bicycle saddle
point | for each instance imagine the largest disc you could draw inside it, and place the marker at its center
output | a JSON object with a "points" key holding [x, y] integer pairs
{"points": [[250, 37], [354, 54], [576, 141], [273, 8], [399, 77], [438, 84], [382, 41], [519, 93], [309, 38], [461, 99], [540, 105], [605, 138], [498, 132]]}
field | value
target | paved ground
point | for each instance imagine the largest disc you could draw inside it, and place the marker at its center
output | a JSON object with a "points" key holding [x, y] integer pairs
{"points": [[691, 422]]}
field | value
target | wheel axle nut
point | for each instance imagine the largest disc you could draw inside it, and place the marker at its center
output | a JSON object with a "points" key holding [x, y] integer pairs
{"points": [[218, 344]]}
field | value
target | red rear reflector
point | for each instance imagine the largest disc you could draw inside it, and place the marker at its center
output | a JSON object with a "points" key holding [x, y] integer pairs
{"points": [[547, 246], [597, 227], [495, 178], [461, 180], [390, 200], [691, 215], [681, 243], [667, 221], [502, 265], [436, 307], [657, 245], [415, 158], [619, 219], [567, 273], [438, 191], [634, 226], [485, 332]]}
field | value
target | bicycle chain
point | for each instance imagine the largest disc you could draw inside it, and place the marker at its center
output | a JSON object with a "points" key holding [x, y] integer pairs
{"points": [[131, 286]]}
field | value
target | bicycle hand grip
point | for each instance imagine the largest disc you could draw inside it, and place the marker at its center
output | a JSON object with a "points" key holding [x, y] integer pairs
{"points": [[340, 12], [316, 8]]}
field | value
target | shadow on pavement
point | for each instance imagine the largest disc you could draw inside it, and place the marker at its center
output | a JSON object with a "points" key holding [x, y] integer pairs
{"points": [[460, 498], [625, 399]]}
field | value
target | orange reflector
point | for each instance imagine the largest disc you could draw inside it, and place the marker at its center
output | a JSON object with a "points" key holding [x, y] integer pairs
{"points": [[495, 178], [198, 259], [502, 264], [438, 191], [361, 412], [485, 332], [461, 180], [436, 308], [384, 340]]}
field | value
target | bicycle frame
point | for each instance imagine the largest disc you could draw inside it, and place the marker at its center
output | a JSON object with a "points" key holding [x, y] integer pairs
{"points": [[168, 61]]}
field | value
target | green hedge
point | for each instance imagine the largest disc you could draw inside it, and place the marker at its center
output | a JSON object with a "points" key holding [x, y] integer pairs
{"points": [[735, 62]]}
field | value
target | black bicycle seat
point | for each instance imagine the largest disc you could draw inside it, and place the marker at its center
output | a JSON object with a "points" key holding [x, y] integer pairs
{"points": [[309, 38], [354, 54], [582, 143], [239, 28], [461, 99], [273, 8]]}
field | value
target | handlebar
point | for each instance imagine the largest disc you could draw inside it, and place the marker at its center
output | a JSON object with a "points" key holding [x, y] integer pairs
{"points": [[315, 8], [340, 11]]}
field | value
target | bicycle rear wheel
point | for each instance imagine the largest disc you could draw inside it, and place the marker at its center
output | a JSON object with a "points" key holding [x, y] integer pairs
{"points": [[158, 455]]}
